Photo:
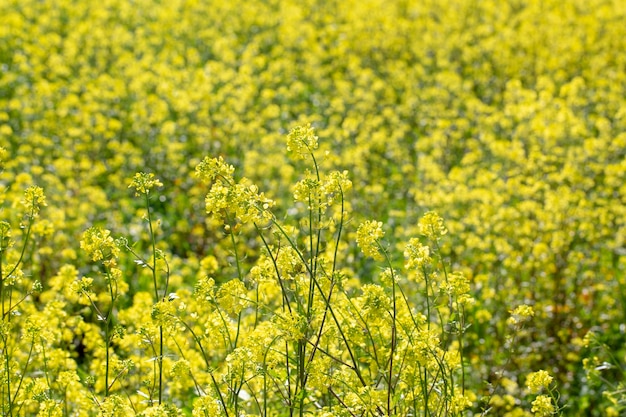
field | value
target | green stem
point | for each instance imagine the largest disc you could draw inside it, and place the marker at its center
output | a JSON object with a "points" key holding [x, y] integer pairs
{"points": [[22, 376], [106, 346], [7, 367], [235, 252], [207, 363], [283, 290], [392, 352], [156, 293]]}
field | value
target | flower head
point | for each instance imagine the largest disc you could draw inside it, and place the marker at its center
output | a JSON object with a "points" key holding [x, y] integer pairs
{"points": [[367, 237], [302, 141], [143, 182], [335, 185], [458, 286], [212, 169], [521, 314], [417, 255], [536, 381], [99, 244], [34, 199], [542, 406], [431, 225]]}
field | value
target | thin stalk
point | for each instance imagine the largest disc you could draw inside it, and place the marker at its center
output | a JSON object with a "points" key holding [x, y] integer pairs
{"points": [[7, 367], [22, 376], [327, 304], [301, 374], [156, 293], [283, 290], [235, 252], [207, 363], [332, 279], [392, 352], [107, 332], [23, 251]]}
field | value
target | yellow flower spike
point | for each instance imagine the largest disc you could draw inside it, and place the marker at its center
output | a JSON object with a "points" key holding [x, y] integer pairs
{"points": [[368, 236], [212, 169], [431, 225], [542, 406], [334, 186], [99, 244], [539, 380], [34, 199], [143, 182], [207, 405], [232, 296], [521, 314], [302, 141], [417, 255]]}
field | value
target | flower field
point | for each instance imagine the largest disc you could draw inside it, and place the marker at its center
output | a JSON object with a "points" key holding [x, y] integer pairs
{"points": [[289, 208]]}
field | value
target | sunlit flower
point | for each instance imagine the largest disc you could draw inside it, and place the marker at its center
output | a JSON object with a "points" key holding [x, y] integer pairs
{"points": [[99, 244], [521, 314], [542, 406], [368, 237], [144, 182], [417, 255], [211, 169], [302, 141], [431, 225], [536, 381], [34, 199]]}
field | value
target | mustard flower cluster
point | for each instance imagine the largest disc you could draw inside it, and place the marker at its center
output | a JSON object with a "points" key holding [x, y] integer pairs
{"points": [[431, 225], [227, 198], [539, 380], [417, 255], [143, 182], [542, 406], [99, 245], [321, 194], [302, 141], [34, 199], [368, 237], [520, 315]]}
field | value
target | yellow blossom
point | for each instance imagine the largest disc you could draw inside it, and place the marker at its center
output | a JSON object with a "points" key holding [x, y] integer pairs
{"points": [[542, 406], [34, 199], [520, 314], [536, 381], [212, 169], [368, 237], [143, 182], [431, 225], [99, 244], [302, 141], [417, 255]]}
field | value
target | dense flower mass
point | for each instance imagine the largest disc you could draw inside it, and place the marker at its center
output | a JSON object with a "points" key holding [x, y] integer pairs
{"points": [[536, 381], [99, 244], [143, 182], [302, 141], [368, 237], [489, 137]]}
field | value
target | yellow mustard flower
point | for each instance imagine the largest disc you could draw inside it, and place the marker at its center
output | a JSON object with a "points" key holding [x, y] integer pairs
{"points": [[542, 406], [536, 381], [302, 141], [143, 182], [368, 237]]}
